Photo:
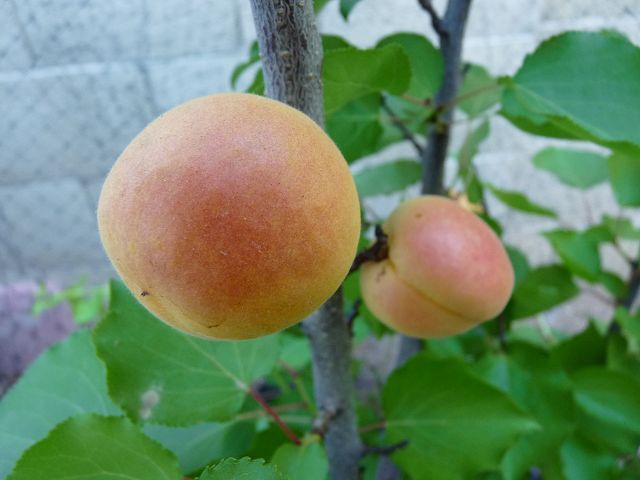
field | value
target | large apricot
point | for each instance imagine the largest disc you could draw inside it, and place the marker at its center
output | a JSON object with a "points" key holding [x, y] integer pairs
{"points": [[231, 216], [446, 270]]}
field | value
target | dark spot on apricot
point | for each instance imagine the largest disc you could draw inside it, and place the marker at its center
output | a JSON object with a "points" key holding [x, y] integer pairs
{"points": [[144, 293]]}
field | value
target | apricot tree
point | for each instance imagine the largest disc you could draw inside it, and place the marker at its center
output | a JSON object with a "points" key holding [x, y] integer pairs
{"points": [[234, 216]]}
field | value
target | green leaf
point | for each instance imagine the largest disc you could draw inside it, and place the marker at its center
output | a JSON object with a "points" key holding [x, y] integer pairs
{"points": [[479, 91], [199, 445], [475, 190], [582, 83], [492, 222], [295, 351], [266, 442], [456, 424], [611, 401], [350, 73], [427, 68], [519, 262], [624, 172], [388, 177], [346, 6], [575, 168], [413, 116], [355, 128], [245, 468], [308, 460], [528, 121], [579, 252], [542, 289], [613, 283], [158, 374], [254, 57], [599, 234], [621, 227], [630, 324], [90, 447], [318, 5], [87, 304], [332, 42], [582, 350], [620, 356], [469, 148], [541, 388], [257, 86], [65, 380], [581, 460], [518, 201]]}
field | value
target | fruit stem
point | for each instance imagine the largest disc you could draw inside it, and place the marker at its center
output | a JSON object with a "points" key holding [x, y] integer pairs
{"points": [[283, 426], [375, 253]]}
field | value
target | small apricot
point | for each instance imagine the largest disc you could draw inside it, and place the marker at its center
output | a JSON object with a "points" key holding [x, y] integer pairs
{"points": [[446, 270], [231, 216]]}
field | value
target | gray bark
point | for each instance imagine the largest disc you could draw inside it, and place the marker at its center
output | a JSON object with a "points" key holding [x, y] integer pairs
{"points": [[291, 52], [451, 35]]}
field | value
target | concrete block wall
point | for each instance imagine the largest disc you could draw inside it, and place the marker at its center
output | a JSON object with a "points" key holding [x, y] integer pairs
{"points": [[79, 79]]}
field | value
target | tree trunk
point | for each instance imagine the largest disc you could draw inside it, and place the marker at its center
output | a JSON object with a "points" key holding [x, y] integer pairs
{"points": [[291, 52]]}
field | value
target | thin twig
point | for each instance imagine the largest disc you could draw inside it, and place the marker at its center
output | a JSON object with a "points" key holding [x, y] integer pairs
{"points": [[400, 125], [467, 95], [618, 248], [287, 407], [598, 295], [372, 427], [384, 449], [438, 133], [633, 288], [634, 285], [420, 102], [436, 21], [283, 426], [355, 311], [545, 331]]}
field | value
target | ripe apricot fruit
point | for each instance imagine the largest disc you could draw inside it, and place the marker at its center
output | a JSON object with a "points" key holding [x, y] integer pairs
{"points": [[231, 216], [446, 270]]}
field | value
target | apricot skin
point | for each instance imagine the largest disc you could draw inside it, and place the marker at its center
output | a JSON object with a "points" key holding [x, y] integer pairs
{"points": [[231, 216], [446, 271]]}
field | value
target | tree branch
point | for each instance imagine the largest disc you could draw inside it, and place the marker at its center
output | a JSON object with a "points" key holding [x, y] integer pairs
{"points": [[633, 288], [436, 21], [633, 285], [435, 155], [291, 53], [399, 124], [292, 64], [384, 450], [267, 408]]}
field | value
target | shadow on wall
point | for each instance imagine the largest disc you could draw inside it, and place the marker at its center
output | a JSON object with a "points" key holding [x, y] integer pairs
{"points": [[23, 336]]}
